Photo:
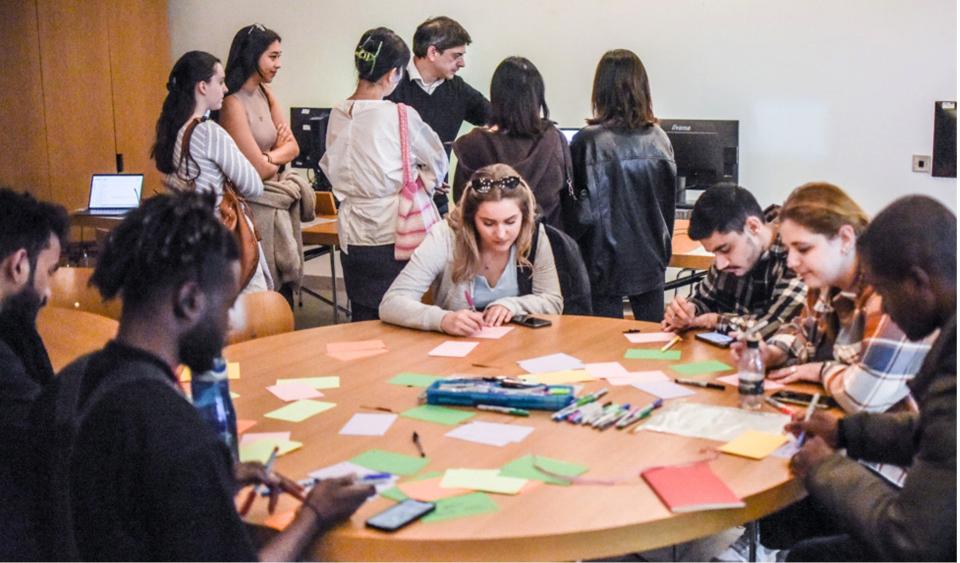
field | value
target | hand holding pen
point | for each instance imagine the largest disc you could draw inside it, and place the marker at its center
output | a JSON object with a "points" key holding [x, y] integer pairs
{"points": [[463, 322], [258, 474]]}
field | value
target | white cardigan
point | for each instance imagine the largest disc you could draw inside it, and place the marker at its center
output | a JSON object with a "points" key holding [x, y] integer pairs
{"points": [[433, 261]]}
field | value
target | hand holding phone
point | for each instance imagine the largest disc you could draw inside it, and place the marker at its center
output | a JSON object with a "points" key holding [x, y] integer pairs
{"points": [[400, 514]]}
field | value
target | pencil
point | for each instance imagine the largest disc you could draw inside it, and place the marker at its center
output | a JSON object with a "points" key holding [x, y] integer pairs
{"points": [[670, 344]]}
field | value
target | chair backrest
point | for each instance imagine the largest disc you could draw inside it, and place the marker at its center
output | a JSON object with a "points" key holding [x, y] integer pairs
{"points": [[70, 288], [258, 314], [325, 204]]}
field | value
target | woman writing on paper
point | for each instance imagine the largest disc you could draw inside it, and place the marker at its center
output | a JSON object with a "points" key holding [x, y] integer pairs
{"points": [[474, 260], [364, 162]]}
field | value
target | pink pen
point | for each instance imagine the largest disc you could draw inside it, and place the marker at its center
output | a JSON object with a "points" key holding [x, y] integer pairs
{"points": [[466, 293]]}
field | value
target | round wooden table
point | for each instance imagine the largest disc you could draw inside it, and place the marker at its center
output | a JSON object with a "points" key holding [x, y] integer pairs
{"points": [[545, 523], [71, 333]]}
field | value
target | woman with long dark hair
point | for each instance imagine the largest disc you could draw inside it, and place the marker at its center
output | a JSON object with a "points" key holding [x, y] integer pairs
{"points": [[520, 134], [194, 89], [364, 162], [625, 162]]}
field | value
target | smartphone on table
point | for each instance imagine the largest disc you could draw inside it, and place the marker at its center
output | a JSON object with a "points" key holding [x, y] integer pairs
{"points": [[715, 338], [400, 514], [803, 399], [530, 321]]}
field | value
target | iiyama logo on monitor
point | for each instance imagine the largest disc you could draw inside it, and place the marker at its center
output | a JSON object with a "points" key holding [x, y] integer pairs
{"points": [[677, 127]]}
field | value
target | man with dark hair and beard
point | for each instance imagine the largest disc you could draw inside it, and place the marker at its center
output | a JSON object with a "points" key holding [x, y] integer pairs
{"points": [[31, 236], [131, 472]]}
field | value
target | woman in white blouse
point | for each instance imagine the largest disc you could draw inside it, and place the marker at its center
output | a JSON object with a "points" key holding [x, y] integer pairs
{"points": [[474, 260], [195, 88], [365, 166]]}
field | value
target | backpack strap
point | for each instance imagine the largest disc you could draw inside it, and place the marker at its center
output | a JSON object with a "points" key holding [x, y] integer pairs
{"points": [[525, 273]]}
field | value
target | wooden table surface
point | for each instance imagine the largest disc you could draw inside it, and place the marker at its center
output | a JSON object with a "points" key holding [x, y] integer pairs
{"points": [[71, 333], [545, 523]]}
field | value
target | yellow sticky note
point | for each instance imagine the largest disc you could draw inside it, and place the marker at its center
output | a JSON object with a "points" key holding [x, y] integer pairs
{"points": [[261, 449], [754, 444], [233, 370], [299, 411], [488, 480], [560, 377]]}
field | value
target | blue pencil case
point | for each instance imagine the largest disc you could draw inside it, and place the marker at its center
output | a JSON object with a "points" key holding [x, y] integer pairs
{"points": [[499, 391]]}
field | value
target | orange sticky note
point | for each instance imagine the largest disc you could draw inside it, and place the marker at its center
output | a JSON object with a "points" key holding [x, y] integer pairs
{"points": [[244, 425], [429, 490], [350, 355], [280, 520], [360, 345], [233, 370]]}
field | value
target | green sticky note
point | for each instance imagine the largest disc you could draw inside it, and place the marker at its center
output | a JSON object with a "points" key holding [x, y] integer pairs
{"points": [[488, 480], [524, 468], [390, 462], [411, 379], [298, 411], [427, 475], [461, 507], [651, 354], [325, 382], [698, 368], [261, 449], [440, 415], [394, 493]]}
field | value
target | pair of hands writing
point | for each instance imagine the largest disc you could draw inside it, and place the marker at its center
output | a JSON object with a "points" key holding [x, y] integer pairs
{"points": [[681, 314], [466, 322], [822, 433]]}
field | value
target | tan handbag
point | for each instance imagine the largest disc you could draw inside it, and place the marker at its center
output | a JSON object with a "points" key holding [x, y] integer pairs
{"points": [[236, 217]]}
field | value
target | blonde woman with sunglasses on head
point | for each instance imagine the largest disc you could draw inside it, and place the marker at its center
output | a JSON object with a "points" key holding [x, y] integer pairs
{"points": [[473, 261]]}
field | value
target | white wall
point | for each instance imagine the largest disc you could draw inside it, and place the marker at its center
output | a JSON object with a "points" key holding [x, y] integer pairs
{"points": [[841, 91]]}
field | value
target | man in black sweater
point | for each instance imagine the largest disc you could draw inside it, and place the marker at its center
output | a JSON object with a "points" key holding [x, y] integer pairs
{"points": [[431, 86], [31, 234]]}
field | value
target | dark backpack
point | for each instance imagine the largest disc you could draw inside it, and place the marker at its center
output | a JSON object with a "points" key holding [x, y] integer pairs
{"points": [[574, 280]]}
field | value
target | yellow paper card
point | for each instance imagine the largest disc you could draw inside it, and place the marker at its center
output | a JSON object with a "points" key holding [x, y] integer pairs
{"points": [[261, 449], [560, 377], [233, 370], [753, 444], [488, 480], [299, 411]]}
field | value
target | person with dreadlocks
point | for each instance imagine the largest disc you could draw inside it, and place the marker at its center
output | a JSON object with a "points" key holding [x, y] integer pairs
{"points": [[131, 472]]}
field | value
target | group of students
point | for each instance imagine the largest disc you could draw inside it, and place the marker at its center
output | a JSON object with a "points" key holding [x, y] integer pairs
{"points": [[108, 460]]}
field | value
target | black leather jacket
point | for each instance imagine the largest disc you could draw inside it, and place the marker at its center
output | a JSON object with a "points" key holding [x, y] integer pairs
{"points": [[631, 179]]}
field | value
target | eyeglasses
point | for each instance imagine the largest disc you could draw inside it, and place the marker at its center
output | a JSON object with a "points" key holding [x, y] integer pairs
{"points": [[485, 184]]}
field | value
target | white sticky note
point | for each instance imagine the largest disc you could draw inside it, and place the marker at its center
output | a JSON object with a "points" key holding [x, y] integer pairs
{"points": [[453, 349], [664, 389], [648, 337], [492, 332], [606, 369], [551, 362], [363, 424], [638, 377]]}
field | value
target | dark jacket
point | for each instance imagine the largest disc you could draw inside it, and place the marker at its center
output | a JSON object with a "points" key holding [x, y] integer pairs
{"points": [[631, 179], [919, 522], [543, 162], [571, 272]]}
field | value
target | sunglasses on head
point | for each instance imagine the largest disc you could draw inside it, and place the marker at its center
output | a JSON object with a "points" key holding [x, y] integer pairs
{"points": [[485, 184], [256, 26]]}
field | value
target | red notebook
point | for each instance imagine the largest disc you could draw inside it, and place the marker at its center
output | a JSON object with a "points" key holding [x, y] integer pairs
{"points": [[690, 488]]}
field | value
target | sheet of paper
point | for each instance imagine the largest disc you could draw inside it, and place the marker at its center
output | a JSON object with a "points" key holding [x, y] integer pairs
{"points": [[491, 433], [606, 369], [560, 377], [428, 490], [299, 411], [787, 450], [438, 414], [325, 382], [551, 362], [753, 444], [244, 425], [528, 467], [651, 354], [648, 337], [355, 354], [294, 391], [700, 368], [252, 437], [355, 346], [768, 385], [391, 462], [362, 424], [261, 449], [664, 389], [461, 507], [345, 468], [492, 332], [411, 379], [638, 377], [712, 422], [453, 349], [487, 480]]}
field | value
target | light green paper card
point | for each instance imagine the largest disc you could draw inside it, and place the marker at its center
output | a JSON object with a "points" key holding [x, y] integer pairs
{"points": [[488, 480], [261, 449], [438, 414], [393, 493], [390, 462], [699, 368], [525, 469], [651, 354], [325, 382], [461, 507], [411, 379], [298, 411]]}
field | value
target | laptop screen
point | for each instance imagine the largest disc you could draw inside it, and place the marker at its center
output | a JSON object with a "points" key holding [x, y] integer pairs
{"points": [[115, 191]]}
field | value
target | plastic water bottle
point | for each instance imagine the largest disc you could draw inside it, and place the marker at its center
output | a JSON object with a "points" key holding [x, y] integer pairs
{"points": [[750, 376], [211, 397]]}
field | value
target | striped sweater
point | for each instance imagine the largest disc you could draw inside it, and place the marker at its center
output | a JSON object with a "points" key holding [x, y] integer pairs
{"points": [[218, 158]]}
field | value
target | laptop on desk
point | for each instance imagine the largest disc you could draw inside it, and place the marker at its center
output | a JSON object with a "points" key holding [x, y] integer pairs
{"points": [[113, 194]]}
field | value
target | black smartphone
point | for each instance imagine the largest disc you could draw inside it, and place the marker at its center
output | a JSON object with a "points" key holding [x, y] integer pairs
{"points": [[530, 321], [400, 514], [715, 338], [803, 399]]}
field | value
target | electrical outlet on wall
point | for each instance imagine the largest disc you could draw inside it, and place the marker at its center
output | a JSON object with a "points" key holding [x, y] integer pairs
{"points": [[921, 163]]}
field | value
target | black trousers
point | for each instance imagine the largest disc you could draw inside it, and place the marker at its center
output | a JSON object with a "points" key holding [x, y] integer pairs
{"points": [[647, 306], [831, 548], [368, 272]]}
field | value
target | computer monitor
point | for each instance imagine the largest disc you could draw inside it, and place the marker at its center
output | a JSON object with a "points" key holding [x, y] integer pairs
{"points": [[309, 127], [945, 140], [706, 153]]}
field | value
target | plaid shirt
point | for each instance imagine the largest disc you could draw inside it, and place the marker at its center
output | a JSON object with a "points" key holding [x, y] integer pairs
{"points": [[770, 295], [868, 359]]}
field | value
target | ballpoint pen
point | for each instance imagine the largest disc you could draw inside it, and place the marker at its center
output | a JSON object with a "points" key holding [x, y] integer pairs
{"points": [[778, 405], [252, 495], [466, 294], [416, 442], [697, 383], [806, 416], [670, 344]]}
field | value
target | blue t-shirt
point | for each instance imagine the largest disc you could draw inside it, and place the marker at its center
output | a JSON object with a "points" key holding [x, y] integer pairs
{"points": [[484, 295]]}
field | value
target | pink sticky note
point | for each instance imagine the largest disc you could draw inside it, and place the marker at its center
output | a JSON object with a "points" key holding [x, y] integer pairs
{"points": [[294, 391], [492, 332], [606, 369], [453, 349], [648, 337], [767, 384], [252, 437], [244, 425], [337, 347], [638, 377], [347, 356]]}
